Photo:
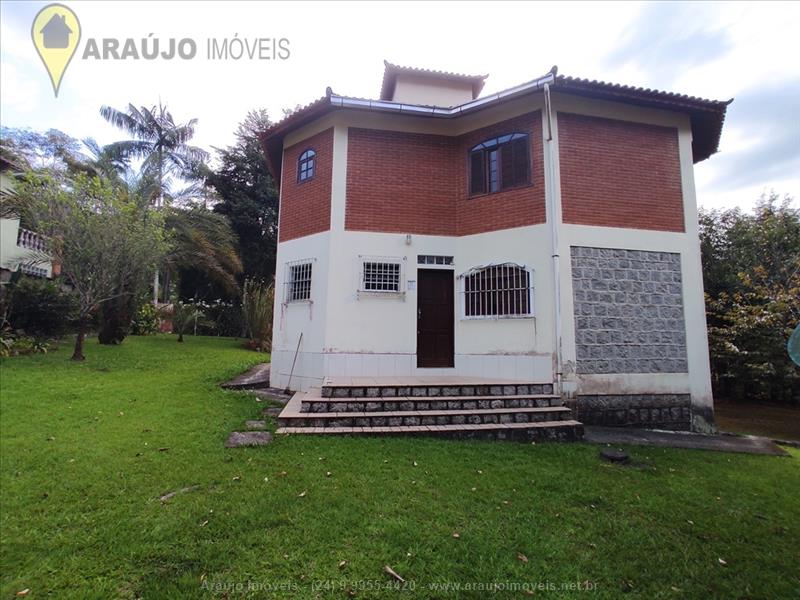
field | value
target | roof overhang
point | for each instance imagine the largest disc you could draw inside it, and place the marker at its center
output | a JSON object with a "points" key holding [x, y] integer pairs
{"points": [[706, 116]]}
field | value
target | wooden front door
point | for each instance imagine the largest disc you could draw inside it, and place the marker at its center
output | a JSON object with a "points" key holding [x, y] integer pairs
{"points": [[435, 318]]}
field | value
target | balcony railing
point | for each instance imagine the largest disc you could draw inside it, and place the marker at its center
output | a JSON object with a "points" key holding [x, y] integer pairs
{"points": [[31, 240]]}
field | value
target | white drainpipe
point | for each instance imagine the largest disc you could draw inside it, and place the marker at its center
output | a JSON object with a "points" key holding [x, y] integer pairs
{"points": [[555, 220]]}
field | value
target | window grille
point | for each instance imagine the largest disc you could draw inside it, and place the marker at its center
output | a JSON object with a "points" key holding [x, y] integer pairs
{"points": [[497, 291], [428, 259], [306, 165], [297, 282], [381, 275]]}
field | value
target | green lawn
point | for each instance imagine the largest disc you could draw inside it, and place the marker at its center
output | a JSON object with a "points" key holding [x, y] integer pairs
{"points": [[87, 450]]}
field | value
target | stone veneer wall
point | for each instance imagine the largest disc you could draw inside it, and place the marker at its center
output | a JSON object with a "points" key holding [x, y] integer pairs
{"points": [[655, 411], [628, 311]]}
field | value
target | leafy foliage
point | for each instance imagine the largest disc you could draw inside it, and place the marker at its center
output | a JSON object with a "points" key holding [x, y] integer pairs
{"points": [[248, 197], [257, 306], [41, 308], [15, 344], [183, 316], [752, 279], [145, 322], [102, 240], [202, 240]]}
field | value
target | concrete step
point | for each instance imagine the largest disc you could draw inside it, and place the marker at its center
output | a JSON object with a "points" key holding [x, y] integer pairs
{"points": [[288, 418], [376, 388], [313, 403], [567, 430]]}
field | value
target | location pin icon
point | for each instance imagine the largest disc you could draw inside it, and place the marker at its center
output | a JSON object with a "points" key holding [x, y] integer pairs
{"points": [[56, 33]]}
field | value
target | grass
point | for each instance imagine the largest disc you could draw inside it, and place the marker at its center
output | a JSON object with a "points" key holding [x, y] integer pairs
{"points": [[88, 449], [773, 421]]}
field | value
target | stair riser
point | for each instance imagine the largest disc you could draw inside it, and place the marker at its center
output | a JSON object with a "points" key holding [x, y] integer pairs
{"points": [[454, 419], [566, 433], [436, 390], [377, 405]]}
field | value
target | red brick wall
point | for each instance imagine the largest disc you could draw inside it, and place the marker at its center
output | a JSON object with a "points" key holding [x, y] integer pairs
{"points": [[619, 174], [417, 183], [401, 182], [306, 207], [502, 210]]}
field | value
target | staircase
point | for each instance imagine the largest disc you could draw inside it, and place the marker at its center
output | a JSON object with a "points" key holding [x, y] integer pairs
{"points": [[443, 407]]}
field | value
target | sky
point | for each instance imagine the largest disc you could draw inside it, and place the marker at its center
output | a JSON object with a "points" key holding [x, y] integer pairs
{"points": [[745, 51]]}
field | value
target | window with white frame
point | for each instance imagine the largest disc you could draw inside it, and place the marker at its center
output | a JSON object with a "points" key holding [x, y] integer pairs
{"points": [[381, 275], [297, 282], [497, 291]]}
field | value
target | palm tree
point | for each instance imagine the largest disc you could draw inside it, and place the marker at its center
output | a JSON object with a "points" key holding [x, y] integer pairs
{"points": [[161, 144], [203, 240]]}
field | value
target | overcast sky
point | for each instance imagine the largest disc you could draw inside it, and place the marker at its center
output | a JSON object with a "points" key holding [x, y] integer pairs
{"points": [[747, 51]]}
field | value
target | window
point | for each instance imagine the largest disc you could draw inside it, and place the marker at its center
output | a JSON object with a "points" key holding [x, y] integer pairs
{"points": [[381, 275], [306, 166], [499, 164], [298, 281], [502, 291], [430, 259]]}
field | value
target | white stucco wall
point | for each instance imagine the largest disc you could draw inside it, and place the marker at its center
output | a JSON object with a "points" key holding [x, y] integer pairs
{"points": [[345, 334], [415, 89]]}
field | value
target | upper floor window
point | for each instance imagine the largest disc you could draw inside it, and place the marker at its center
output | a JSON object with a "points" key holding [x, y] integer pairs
{"points": [[499, 164], [306, 165]]}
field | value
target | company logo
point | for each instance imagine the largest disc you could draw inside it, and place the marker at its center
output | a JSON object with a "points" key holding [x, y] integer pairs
{"points": [[56, 33]]}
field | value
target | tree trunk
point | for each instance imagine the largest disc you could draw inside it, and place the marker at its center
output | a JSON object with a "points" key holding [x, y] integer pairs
{"points": [[180, 336], [77, 354]]}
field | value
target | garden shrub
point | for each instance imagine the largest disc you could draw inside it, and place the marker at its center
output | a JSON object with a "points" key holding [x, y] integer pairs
{"points": [[145, 322], [41, 307]]}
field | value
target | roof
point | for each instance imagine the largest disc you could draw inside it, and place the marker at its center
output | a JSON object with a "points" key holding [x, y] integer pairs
{"points": [[706, 116], [391, 72]]}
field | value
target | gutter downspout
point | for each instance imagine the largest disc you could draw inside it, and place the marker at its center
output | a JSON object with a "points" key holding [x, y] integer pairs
{"points": [[555, 221]]}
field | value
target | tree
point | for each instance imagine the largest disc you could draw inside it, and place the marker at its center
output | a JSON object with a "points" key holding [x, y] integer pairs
{"points": [[183, 315], [751, 267], [161, 144], [202, 240], [248, 197], [100, 237]]}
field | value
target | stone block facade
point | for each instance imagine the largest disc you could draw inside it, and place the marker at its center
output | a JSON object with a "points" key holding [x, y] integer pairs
{"points": [[655, 411], [628, 309]]}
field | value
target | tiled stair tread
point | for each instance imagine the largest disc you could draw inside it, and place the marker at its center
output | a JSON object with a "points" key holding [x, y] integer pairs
{"points": [[427, 398], [422, 381], [420, 413], [430, 428]]}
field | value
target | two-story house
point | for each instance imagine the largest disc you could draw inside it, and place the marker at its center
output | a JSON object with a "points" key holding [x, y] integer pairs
{"points": [[544, 234]]}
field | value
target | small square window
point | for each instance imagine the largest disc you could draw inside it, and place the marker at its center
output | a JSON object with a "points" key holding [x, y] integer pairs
{"points": [[298, 281]]}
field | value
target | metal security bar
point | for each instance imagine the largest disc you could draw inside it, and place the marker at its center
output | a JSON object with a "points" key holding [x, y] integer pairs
{"points": [[381, 275], [497, 291], [297, 282]]}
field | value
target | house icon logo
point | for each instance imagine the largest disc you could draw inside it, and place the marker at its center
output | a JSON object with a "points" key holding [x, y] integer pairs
{"points": [[56, 33]]}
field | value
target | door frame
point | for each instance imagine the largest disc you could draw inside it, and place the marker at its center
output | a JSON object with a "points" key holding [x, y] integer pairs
{"points": [[437, 268]]}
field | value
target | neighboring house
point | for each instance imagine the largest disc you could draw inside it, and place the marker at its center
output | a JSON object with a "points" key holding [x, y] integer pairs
{"points": [[546, 233], [20, 249]]}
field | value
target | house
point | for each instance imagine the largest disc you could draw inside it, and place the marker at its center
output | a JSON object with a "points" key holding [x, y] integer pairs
{"points": [[56, 32], [544, 234], [20, 249]]}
